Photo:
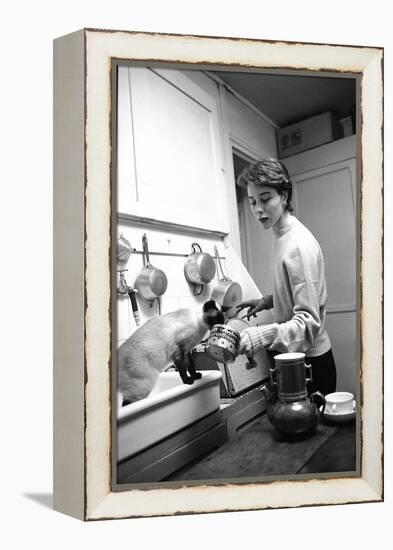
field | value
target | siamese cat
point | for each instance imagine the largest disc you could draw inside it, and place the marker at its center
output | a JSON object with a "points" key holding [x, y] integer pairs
{"points": [[160, 341]]}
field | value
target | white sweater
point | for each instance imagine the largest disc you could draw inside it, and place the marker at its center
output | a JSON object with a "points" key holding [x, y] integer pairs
{"points": [[299, 295]]}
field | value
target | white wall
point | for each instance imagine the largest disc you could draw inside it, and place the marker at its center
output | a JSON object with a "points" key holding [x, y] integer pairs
{"points": [[173, 249]]}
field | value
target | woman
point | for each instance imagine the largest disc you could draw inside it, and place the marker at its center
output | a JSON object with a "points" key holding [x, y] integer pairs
{"points": [[299, 286]]}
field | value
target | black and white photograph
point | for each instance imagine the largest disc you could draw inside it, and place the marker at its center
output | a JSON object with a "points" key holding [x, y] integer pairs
{"points": [[235, 274]]}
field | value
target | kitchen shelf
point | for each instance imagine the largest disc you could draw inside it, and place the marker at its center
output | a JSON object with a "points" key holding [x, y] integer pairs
{"points": [[169, 226]]}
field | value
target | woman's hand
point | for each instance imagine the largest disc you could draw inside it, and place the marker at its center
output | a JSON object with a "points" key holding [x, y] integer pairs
{"points": [[245, 344], [252, 339], [254, 306]]}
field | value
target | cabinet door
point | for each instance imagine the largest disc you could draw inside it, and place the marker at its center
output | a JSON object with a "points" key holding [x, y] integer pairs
{"points": [[325, 204], [169, 154]]}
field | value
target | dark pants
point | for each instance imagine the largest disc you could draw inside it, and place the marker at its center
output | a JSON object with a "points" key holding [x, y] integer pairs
{"points": [[324, 375]]}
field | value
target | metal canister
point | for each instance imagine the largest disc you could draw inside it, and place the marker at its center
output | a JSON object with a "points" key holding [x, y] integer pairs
{"points": [[223, 343], [289, 375]]}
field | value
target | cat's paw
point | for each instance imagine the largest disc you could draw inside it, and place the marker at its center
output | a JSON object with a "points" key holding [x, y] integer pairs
{"points": [[197, 375]]}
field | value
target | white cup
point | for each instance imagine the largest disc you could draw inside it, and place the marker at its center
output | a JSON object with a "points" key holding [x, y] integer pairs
{"points": [[339, 402]]}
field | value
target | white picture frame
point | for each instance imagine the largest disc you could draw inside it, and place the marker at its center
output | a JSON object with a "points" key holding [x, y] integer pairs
{"points": [[83, 133]]}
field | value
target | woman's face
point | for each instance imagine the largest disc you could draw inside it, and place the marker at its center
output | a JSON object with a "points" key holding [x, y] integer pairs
{"points": [[267, 205]]}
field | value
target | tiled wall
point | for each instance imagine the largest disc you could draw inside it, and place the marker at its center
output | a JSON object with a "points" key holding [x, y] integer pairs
{"points": [[179, 292]]}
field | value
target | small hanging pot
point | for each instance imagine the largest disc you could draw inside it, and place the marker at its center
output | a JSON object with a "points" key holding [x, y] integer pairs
{"points": [[199, 268], [124, 250], [227, 293], [151, 282]]}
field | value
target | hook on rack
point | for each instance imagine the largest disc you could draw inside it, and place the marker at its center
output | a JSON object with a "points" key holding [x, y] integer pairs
{"points": [[123, 287]]}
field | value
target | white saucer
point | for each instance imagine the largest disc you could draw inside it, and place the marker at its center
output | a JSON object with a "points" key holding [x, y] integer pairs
{"points": [[340, 418]]}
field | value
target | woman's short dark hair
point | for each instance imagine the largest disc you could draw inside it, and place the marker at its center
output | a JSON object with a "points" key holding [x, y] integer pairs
{"points": [[270, 172]]}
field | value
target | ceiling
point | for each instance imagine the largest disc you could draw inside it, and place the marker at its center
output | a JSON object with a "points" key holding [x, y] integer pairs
{"points": [[287, 99]]}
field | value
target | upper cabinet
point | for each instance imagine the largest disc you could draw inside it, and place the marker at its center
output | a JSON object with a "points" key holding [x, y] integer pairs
{"points": [[169, 153]]}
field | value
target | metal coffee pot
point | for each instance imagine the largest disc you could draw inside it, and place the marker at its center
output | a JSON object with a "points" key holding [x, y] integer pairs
{"points": [[289, 409]]}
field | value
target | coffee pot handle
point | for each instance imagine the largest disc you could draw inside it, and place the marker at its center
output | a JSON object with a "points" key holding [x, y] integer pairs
{"points": [[273, 376], [309, 367], [318, 396]]}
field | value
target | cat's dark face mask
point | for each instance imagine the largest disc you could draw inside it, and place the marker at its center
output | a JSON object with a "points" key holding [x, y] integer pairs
{"points": [[212, 315]]}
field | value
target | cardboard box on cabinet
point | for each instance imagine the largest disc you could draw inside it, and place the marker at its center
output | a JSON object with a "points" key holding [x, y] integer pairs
{"points": [[307, 134]]}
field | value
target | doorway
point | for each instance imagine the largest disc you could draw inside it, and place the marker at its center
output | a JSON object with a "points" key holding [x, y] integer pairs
{"points": [[240, 162], [255, 242]]}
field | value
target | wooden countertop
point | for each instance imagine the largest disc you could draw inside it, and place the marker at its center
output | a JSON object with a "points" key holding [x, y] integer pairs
{"points": [[259, 450]]}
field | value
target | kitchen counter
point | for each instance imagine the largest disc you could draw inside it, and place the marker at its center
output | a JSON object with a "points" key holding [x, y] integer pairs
{"points": [[260, 451]]}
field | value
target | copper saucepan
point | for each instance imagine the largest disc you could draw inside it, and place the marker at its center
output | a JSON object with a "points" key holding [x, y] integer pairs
{"points": [[151, 282], [227, 293], [199, 268]]}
